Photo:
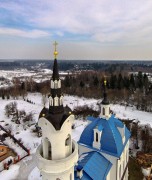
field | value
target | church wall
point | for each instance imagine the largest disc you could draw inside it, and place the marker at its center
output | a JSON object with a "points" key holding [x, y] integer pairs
{"points": [[67, 175], [122, 162]]}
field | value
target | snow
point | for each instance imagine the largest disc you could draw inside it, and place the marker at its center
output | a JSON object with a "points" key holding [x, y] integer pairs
{"points": [[11, 173], [35, 175], [131, 113], [30, 139]]}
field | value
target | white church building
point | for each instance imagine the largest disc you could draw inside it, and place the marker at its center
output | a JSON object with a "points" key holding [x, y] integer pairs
{"points": [[101, 152]]}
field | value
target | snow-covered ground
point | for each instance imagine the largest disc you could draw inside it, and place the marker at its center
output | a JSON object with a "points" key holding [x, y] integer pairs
{"points": [[30, 139], [6, 76]]}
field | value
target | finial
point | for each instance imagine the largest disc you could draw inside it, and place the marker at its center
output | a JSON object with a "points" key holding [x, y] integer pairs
{"points": [[105, 81], [55, 51]]}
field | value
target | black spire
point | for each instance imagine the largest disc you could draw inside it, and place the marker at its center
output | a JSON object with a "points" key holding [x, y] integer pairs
{"points": [[56, 113], [56, 89], [105, 99], [55, 75]]}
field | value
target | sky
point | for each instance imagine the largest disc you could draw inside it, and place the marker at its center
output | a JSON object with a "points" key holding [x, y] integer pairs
{"points": [[84, 29]]}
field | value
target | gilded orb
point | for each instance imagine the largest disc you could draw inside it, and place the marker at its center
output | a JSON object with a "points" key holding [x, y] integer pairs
{"points": [[55, 53]]}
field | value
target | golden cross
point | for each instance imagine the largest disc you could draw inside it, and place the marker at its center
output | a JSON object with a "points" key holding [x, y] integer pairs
{"points": [[55, 51], [55, 45]]}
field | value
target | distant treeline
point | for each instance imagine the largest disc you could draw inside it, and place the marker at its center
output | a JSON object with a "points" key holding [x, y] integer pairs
{"points": [[72, 65]]}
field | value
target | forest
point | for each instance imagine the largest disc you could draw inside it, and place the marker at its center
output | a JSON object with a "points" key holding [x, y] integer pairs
{"points": [[124, 88]]}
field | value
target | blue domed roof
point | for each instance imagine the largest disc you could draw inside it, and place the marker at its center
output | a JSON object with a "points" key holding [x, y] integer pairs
{"points": [[94, 165], [111, 139]]}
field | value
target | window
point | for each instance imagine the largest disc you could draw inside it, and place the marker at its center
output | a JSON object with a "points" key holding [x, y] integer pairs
{"points": [[56, 100], [47, 154], [103, 111], [96, 137], [67, 141], [56, 85], [109, 110], [61, 100]]}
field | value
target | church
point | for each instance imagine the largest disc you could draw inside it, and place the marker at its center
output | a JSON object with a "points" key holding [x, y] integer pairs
{"points": [[100, 154]]}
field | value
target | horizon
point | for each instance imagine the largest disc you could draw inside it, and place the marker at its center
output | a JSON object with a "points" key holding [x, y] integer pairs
{"points": [[107, 31]]}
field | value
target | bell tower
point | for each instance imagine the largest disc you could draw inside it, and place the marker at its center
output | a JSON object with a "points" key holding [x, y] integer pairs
{"points": [[105, 105], [58, 153]]}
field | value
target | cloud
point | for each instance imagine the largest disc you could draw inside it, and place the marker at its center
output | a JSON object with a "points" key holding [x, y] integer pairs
{"points": [[109, 23], [22, 33]]}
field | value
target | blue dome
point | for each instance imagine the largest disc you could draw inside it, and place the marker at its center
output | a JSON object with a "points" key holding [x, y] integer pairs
{"points": [[111, 139]]}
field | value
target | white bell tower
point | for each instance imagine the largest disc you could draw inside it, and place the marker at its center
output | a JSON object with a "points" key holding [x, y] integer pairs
{"points": [[58, 153]]}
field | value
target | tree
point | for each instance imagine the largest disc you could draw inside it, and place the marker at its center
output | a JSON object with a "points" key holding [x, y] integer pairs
{"points": [[113, 81], [95, 81], [140, 80], [120, 82], [67, 81], [3, 96], [132, 82], [82, 84]]}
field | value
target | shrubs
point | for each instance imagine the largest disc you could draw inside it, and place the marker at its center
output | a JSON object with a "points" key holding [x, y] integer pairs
{"points": [[85, 111], [18, 116]]}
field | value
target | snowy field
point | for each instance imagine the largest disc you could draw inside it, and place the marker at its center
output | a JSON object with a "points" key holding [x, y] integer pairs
{"points": [[6, 76], [30, 139]]}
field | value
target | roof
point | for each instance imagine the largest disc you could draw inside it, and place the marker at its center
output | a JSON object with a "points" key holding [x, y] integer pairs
{"points": [[56, 119], [111, 139], [94, 165]]}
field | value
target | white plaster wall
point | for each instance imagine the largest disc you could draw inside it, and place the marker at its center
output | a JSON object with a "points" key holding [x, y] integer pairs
{"points": [[63, 168], [62, 176], [123, 162], [57, 138]]}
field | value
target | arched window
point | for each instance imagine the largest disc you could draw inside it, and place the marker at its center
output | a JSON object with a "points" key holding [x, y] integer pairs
{"points": [[56, 101], [61, 100], [49, 150], [47, 153], [51, 101], [103, 111], [68, 140], [96, 137], [56, 85]]}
